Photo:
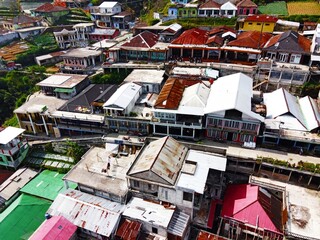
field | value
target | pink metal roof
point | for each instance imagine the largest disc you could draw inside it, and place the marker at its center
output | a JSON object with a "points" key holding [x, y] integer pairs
{"points": [[241, 203], [57, 227]]}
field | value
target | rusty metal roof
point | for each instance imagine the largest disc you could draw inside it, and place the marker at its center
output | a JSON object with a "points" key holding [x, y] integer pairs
{"points": [[128, 230], [170, 95], [163, 157], [89, 212]]}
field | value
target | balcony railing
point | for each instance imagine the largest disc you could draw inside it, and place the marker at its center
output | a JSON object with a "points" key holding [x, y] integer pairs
{"points": [[12, 150], [178, 123]]}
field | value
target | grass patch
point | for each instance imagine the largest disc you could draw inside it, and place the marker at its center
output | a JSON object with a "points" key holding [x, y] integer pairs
{"points": [[277, 8], [303, 8]]}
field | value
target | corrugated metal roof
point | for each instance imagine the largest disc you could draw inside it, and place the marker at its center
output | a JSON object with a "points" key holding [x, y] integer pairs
{"points": [[228, 6], [193, 36], [55, 228], [46, 185], [144, 40], [163, 157], [250, 39], [204, 162], [145, 76], [10, 133], [170, 95], [89, 212], [148, 212], [281, 105], [106, 4], [246, 3], [179, 223], [232, 92], [123, 96], [128, 230], [22, 217], [242, 203], [195, 96], [15, 182]]}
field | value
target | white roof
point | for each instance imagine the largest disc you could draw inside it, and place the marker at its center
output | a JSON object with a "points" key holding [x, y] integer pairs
{"points": [[55, 80], [209, 72], [9, 133], [145, 76], [149, 212], [89, 212], [228, 6], [15, 182], [205, 162], [104, 44], [282, 105], [123, 96], [288, 23], [194, 99], [232, 92], [187, 71], [175, 27], [108, 4], [229, 34]]}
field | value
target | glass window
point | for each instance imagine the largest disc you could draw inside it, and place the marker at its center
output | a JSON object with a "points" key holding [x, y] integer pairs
{"points": [[187, 196]]}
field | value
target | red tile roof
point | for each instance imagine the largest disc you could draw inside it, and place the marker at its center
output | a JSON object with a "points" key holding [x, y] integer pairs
{"points": [[145, 39], [48, 7], [24, 19], [241, 202], [261, 18], [194, 36], [4, 175], [272, 41], [210, 4], [246, 3], [250, 39], [215, 39], [170, 95]]}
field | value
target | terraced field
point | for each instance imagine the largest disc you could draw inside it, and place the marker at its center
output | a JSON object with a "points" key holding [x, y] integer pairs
{"points": [[303, 8], [278, 8]]}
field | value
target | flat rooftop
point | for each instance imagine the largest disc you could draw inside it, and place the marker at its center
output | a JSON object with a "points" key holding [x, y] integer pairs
{"points": [[62, 80], [89, 171], [303, 208], [38, 102], [145, 76], [83, 52]]}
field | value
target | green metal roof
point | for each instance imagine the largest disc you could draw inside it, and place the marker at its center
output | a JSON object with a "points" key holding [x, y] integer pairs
{"points": [[47, 184], [64, 90], [23, 217]]}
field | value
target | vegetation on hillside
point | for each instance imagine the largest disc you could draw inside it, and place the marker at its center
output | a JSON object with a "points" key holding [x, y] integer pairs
{"points": [[113, 77], [304, 8], [15, 86]]}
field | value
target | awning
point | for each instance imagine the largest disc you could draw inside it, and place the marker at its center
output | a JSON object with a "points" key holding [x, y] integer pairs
{"points": [[9, 133], [64, 90]]}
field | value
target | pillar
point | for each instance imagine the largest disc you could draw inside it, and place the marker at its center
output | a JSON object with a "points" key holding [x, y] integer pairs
{"points": [[45, 125], [32, 125]]}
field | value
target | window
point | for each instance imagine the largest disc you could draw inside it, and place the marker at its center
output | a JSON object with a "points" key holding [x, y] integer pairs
{"points": [[155, 230], [250, 23], [267, 24], [135, 183], [201, 12], [187, 196], [258, 24]]}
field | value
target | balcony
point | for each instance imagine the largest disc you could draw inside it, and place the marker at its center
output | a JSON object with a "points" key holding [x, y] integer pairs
{"points": [[11, 150], [194, 125]]}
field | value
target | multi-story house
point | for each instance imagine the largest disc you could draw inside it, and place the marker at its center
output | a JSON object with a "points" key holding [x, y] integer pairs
{"points": [[104, 12], [64, 86], [291, 121], [81, 60], [78, 37], [315, 49], [13, 147], [171, 32], [123, 114], [179, 110], [229, 112], [122, 20], [169, 171], [51, 12]]}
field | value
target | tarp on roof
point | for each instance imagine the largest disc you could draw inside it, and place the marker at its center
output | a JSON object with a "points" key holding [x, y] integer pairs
{"points": [[10, 133]]}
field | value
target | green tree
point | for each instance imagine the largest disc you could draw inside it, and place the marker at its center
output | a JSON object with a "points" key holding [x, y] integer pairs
{"points": [[75, 151]]}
